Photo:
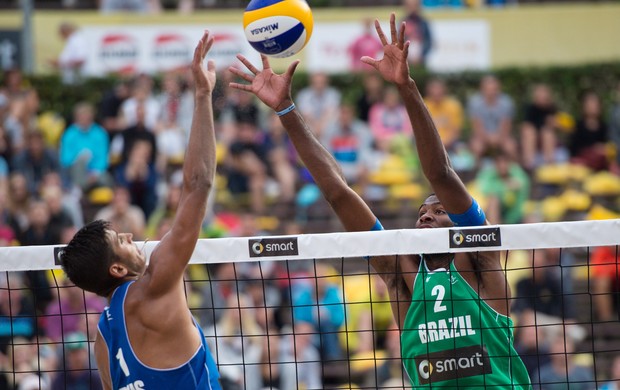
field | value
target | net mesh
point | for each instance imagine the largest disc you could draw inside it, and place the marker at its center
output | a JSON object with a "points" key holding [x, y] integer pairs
{"points": [[276, 317]]}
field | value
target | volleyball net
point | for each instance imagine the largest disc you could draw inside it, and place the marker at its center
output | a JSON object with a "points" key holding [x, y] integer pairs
{"points": [[308, 311]]}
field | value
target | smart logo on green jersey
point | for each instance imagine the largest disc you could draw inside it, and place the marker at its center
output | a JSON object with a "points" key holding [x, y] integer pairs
{"points": [[453, 364]]}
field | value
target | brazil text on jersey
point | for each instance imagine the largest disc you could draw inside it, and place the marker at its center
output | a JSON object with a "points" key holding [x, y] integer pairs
{"points": [[445, 329]]}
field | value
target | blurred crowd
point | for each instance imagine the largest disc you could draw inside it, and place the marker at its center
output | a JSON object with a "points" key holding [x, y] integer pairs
{"points": [[280, 324]]}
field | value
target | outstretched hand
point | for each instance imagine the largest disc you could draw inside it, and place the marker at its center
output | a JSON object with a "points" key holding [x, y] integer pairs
{"points": [[272, 89], [393, 66], [204, 79]]}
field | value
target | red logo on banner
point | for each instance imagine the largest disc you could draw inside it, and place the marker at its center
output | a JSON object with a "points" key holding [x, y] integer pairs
{"points": [[171, 51], [119, 53]]}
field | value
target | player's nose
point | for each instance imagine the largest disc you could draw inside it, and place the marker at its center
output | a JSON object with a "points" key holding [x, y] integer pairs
{"points": [[426, 217]]}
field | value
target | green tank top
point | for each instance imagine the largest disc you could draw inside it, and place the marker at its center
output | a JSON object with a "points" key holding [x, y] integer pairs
{"points": [[452, 339]]}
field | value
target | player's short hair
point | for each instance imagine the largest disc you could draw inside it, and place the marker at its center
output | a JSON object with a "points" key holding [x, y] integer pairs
{"points": [[87, 259]]}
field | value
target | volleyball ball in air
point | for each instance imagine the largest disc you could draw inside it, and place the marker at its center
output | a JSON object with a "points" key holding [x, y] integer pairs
{"points": [[278, 28]]}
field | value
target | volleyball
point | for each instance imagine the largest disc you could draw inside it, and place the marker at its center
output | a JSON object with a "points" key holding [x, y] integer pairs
{"points": [[278, 28]]}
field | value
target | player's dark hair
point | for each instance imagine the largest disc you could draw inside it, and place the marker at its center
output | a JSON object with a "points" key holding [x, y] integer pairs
{"points": [[87, 259]]}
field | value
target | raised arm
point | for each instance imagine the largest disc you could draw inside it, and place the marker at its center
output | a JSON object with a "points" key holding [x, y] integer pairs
{"points": [[171, 256], [275, 91], [433, 156]]}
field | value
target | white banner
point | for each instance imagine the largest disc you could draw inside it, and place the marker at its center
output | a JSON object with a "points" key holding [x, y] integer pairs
{"points": [[457, 45], [150, 49], [460, 45]]}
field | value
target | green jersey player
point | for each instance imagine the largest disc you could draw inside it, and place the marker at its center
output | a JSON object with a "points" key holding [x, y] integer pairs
{"points": [[452, 309]]}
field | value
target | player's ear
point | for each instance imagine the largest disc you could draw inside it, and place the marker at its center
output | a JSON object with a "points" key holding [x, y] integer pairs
{"points": [[118, 270]]}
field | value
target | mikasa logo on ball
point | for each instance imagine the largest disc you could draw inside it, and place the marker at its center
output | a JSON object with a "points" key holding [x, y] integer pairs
{"points": [[269, 28], [264, 247]]}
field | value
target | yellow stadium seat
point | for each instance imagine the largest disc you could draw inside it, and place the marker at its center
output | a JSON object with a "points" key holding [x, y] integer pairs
{"points": [[602, 184]]}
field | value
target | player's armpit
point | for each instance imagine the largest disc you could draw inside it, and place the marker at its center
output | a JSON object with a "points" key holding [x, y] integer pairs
{"points": [[492, 285], [103, 364]]}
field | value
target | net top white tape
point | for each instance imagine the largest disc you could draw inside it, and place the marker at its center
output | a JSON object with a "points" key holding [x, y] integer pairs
{"points": [[359, 244]]}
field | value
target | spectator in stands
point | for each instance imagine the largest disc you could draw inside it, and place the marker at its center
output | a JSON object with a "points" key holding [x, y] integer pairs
{"points": [[177, 105], [282, 159], [263, 297], [238, 340], [491, 113], [20, 200], [319, 301], [447, 112], [78, 374], [39, 232], [390, 374], [349, 140], [614, 376], [372, 93], [562, 370], [13, 85], [544, 292], [71, 60], [124, 142], [110, 107], [247, 164], [538, 130], [139, 176], [221, 286], [369, 315], [84, 150], [17, 313], [605, 274], [235, 107], [418, 32], [60, 215], [167, 209], [367, 44], [141, 94], [614, 128], [36, 160], [4, 173], [69, 201], [122, 215], [587, 142], [21, 366], [506, 187], [21, 119], [301, 367], [6, 154], [389, 119], [319, 103], [67, 312], [531, 344], [5, 216]]}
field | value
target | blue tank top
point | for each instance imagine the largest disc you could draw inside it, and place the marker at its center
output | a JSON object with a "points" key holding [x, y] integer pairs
{"points": [[129, 373]]}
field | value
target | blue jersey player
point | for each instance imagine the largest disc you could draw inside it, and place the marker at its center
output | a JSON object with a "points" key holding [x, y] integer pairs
{"points": [[147, 337]]}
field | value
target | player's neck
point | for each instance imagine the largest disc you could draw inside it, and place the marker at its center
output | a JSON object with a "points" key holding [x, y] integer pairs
{"points": [[438, 260]]}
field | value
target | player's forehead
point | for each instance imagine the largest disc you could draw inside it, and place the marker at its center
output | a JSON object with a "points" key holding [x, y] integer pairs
{"points": [[112, 236], [430, 201]]}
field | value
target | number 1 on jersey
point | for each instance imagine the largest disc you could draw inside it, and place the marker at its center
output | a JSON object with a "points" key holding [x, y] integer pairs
{"points": [[122, 362], [439, 291]]}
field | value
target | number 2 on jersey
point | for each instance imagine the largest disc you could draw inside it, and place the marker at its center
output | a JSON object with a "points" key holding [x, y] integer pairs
{"points": [[122, 362], [439, 291]]}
